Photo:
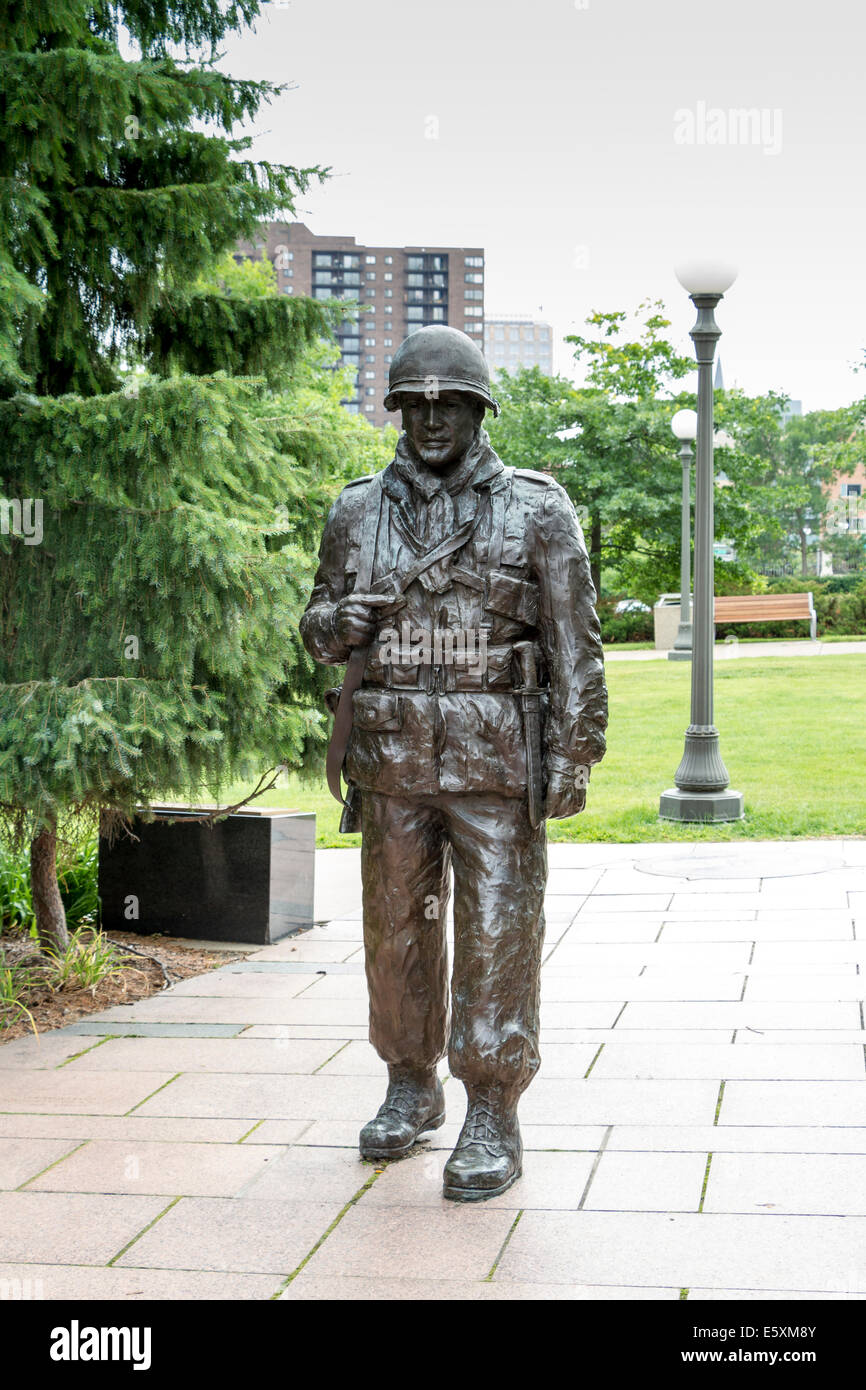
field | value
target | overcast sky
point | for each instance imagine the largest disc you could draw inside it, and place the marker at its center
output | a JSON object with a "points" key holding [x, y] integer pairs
{"points": [[592, 145]]}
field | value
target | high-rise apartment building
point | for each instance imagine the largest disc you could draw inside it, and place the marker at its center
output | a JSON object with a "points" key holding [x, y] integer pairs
{"points": [[399, 288], [518, 342]]}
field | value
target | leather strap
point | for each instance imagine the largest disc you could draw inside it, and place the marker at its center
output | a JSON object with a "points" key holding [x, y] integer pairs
{"points": [[358, 659]]}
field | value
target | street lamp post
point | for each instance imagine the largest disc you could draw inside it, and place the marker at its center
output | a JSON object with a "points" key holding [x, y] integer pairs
{"points": [[701, 792], [685, 426]]}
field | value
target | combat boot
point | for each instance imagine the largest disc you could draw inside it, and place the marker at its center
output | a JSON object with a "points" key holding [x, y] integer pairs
{"points": [[489, 1153], [415, 1102]]}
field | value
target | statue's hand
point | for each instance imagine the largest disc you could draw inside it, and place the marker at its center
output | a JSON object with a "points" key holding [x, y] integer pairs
{"points": [[566, 793], [355, 618]]}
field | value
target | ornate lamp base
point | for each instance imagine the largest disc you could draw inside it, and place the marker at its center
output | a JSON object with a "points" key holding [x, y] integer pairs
{"points": [[700, 806], [674, 655]]}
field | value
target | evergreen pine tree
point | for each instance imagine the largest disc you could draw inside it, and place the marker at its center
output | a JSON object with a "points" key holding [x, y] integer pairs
{"points": [[155, 529]]}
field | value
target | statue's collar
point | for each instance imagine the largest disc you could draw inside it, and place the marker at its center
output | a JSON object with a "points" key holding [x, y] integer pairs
{"points": [[407, 472]]}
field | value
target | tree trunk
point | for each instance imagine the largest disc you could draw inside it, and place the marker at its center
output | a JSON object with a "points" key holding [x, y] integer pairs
{"points": [[595, 553], [47, 902], [804, 555]]}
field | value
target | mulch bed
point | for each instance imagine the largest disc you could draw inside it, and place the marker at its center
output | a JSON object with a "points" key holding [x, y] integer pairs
{"points": [[163, 960]]}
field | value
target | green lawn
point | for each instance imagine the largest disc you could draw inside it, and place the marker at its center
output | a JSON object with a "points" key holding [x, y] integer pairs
{"points": [[793, 737]]}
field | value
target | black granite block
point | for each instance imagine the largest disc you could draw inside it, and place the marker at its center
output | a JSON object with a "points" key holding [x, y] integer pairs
{"points": [[246, 878]]}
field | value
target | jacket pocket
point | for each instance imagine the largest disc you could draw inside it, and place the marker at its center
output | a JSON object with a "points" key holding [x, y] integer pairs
{"points": [[377, 711], [512, 598]]}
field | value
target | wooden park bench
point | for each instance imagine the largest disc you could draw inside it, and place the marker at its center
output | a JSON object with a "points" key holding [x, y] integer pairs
{"points": [[766, 608]]}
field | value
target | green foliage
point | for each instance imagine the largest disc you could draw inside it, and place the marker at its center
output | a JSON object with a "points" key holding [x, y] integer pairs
{"points": [[624, 627], [148, 644], [121, 183], [618, 464]]}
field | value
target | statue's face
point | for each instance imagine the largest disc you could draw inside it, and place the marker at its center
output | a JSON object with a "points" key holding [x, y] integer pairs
{"points": [[441, 429]]}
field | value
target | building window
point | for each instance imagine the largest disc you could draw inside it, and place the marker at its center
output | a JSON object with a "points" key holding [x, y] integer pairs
{"points": [[389, 260], [288, 289], [473, 278], [388, 275], [414, 262], [369, 260], [388, 358], [371, 357], [414, 312], [850, 489], [369, 407], [389, 294], [474, 260], [472, 310], [350, 261], [370, 323], [473, 294], [499, 331], [388, 324], [369, 342], [370, 376], [370, 275], [370, 390], [386, 342]]}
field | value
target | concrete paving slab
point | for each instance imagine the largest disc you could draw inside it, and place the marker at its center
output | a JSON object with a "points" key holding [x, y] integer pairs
{"points": [[84, 1283], [797, 1253], [566, 988], [794, 1103], [299, 950], [96, 1027], [455, 1242], [553, 1181], [604, 930], [352, 987], [309, 1173], [716, 1139], [232, 1234], [67, 1092], [812, 1184], [243, 1055], [647, 1182], [657, 1062], [619, 1102], [766, 927], [269, 1096], [227, 984], [23, 1158], [127, 1127], [173, 1008], [306, 1288], [153, 1167], [43, 1052], [332, 1032], [757, 1013], [812, 986], [70, 1227]]}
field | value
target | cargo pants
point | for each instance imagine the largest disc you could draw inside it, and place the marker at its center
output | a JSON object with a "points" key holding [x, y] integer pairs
{"points": [[409, 847]]}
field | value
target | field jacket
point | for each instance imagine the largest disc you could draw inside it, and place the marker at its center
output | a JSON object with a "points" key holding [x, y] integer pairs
{"points": [[438, 718]]}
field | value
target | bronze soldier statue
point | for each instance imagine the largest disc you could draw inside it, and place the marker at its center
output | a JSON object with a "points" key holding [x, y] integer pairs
{"points": [[459, 593]]}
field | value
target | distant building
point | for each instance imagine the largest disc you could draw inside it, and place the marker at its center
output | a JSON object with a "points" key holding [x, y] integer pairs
{"points": [[518, 342], [792, 409], [401, 287], [846, 513]]}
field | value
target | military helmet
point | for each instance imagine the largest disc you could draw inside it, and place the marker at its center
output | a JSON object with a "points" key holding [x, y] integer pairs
{"points": [[438, 358]]}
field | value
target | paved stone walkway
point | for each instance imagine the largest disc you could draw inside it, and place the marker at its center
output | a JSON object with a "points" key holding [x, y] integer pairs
{"points": [[736, 650], [699, 1122]]}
